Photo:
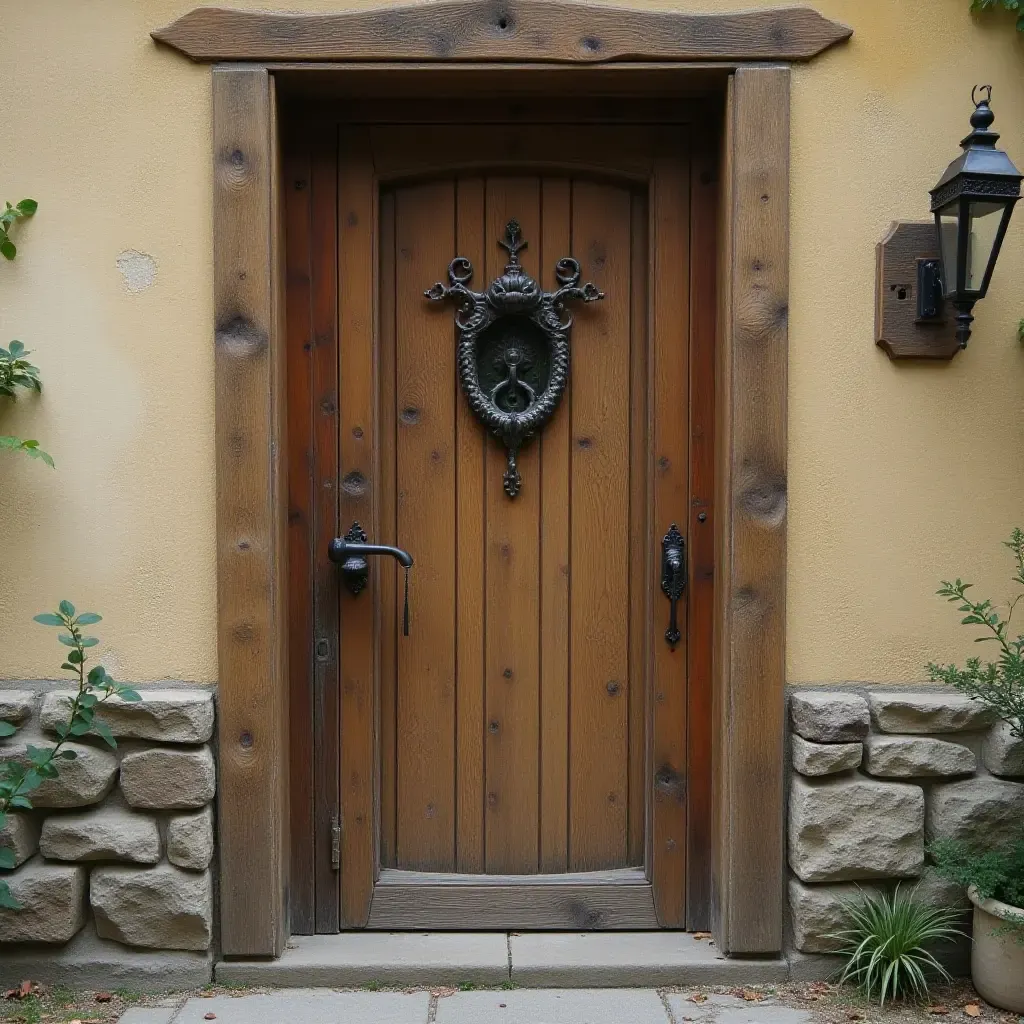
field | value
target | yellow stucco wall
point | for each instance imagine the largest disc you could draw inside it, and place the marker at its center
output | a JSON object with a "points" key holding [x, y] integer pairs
{"points": [[898, 474]]}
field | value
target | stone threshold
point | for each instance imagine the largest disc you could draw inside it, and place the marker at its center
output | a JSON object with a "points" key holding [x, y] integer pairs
{"points": [[525, 960]]}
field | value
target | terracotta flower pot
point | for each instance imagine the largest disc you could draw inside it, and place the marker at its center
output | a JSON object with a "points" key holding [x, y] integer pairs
{"points": [[997, 959]]}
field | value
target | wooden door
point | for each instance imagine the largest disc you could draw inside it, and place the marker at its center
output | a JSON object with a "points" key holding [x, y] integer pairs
{"points": [[533, 753]]}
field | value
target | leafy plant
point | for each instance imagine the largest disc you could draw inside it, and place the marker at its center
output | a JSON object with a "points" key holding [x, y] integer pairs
{"points": [[999, 684], [996, 874], [95, 686], [15, 370], [886, 944], [10, 216], [1014, 6]]}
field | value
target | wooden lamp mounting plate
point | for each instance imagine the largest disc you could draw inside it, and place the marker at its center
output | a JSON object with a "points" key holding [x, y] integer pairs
{"points": [[897, 327]]}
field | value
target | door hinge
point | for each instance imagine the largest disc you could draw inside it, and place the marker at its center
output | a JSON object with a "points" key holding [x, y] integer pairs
{"points": [[335, 843]]}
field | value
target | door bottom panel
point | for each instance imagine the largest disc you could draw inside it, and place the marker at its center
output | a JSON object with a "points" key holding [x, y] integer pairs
{"points": [[621, 900]]}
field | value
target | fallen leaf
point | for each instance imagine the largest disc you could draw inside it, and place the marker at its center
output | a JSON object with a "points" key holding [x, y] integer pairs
{"points": [[939, 1011], [502, 1006], [972, 1010], [103, 997], [209, 1016], [702, 935], [698, 997], [751, 996], [855, 1015], [26, 989]]}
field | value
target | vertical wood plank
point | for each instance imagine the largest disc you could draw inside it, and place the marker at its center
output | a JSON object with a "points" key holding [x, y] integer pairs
{"points": [[324, 409], [600, 473], [251, 518], [669, 396], [387, 606], [700, 597], [750, 644], [640, 534], [357, 263], [471, 441], [425, 233], [555, 458], [296, 189], [513, 598]]}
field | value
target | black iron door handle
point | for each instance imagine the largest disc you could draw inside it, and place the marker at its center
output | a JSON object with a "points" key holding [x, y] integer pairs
{"points": [[350, 553], [673, 578]]}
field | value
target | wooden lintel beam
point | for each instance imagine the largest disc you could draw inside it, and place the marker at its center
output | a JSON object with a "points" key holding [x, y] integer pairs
{"points": [[556, 31]]}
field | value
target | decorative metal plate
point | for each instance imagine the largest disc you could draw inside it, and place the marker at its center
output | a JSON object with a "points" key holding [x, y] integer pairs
{"points": [[513, 353]]}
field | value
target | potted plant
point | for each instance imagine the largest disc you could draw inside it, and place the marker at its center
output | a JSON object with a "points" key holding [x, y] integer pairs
{"points": [[994, 876]]}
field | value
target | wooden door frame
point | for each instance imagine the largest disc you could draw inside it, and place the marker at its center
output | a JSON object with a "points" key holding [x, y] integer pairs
{"points": [[631, 49]]}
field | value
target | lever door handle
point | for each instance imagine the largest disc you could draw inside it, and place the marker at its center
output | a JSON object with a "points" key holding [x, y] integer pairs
{"points": [[350, 553], [673, 578]]}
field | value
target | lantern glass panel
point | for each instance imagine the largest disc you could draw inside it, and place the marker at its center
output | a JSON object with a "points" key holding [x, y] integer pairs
{"points": [[983, 226], [948, 223]]}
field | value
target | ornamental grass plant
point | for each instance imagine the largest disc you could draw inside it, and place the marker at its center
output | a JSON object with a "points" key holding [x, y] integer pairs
{"points": [[888, 941]]}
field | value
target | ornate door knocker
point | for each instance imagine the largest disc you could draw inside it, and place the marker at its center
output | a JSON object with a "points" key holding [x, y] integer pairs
{"points": [[513, 353]]}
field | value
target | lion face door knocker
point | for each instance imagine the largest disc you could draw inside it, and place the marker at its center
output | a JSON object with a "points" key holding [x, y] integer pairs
{"points": [[513, 352]]}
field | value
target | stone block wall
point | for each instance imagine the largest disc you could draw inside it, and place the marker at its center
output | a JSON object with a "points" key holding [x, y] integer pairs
{"points": [[123, 837], [876, 776]]}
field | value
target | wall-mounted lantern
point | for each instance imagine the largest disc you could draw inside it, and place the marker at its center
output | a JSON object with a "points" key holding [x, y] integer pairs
{"points": [[972, 204]]}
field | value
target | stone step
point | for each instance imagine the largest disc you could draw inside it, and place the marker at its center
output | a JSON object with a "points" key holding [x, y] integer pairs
{"points": [[491, 959]]}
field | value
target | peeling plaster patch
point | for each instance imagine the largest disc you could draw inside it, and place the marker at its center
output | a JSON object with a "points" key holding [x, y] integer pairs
{"points": [[137, 268]]}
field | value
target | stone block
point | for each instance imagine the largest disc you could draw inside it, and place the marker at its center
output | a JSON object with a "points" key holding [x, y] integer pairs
{"points": [[79, 783], [169, 716], [52, 898], [190, 840], [20, 834], [1003, 753], [16, 705], [938, 891], [977, 811], [823, 716], [825, 758], [108, 833], [900, 711], [847, 829], [817, 913], [909, 757], [160, 907], [164, 777]]}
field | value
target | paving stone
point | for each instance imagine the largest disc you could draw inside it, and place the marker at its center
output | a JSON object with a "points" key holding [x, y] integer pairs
{"points": [[400, 959], [170, 716], [817, 912], [79, 783], [977, 810], [1003, 753], [573, 1006], [824, 716], [160, 907], [900, 711], [311, 1006], [190, 840], [90, 963], [627, 959], [16, 705], [107, 833], [847, 829], [748, 1013], [52, 898], [20, 834], [165, 777], [825, 758], [909, 757], [147, 1015]]}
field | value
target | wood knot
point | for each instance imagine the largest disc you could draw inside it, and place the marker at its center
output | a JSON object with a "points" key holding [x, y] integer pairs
{"points": [[239, 338], [591, 44], [354, 484], [763, 497], [670, 783]]}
